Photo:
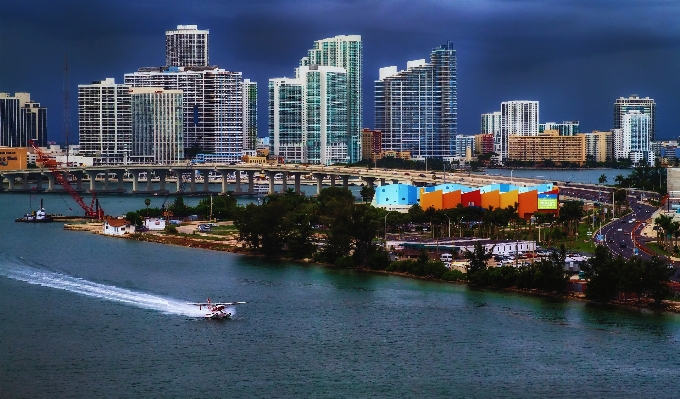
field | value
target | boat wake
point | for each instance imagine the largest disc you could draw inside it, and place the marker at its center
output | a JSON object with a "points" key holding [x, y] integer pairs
{"points": [[46, 278]]}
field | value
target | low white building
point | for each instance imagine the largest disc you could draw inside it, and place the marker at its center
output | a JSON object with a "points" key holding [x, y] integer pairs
{"points": [[118, 227], [154, 224]]}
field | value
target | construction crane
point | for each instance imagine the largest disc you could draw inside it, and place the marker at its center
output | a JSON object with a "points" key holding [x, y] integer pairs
{"points": [[91, 211]]}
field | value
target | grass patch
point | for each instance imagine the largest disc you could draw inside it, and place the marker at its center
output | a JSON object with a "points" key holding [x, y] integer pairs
{"points": [[656, 248]]}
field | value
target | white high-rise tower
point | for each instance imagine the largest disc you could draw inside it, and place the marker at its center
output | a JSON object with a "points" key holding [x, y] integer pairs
{"points": [[186, 46], [517, 117]]}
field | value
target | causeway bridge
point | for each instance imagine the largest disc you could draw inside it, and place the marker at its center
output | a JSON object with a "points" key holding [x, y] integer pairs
{"points": [[110, 179]]}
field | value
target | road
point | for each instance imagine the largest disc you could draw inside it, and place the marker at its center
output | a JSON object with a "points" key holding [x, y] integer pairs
{"points": [[618, 235]]}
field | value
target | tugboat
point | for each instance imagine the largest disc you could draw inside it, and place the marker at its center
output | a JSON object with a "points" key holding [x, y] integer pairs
{"points": [[38, 216]]}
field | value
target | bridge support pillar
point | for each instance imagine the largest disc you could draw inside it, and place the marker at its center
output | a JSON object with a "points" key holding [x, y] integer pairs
{"points": [[92, 174], [225, 175], [51, 180], [237, 181], [332, 180], [251, 181], [369, 181], [345, 182], [319, 181], [271, 175], [284, 182]]}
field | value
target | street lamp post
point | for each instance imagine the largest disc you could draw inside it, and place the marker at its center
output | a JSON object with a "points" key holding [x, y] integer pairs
{"points": [[460, 227], [613, 200], [447, 216], [388, 212]]}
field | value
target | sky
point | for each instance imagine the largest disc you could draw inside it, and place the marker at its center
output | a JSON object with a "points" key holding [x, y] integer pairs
{"points": [[575, 57]]}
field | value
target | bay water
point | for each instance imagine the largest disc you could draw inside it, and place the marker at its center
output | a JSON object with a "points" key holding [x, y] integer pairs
{"points": [[85, 316]]}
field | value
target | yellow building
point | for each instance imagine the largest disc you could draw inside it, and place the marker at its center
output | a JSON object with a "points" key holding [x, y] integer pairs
{"points": [[599, 145], [547, 145], [12, 158]]}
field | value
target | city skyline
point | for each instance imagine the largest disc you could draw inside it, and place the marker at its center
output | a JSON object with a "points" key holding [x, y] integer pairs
{"points": [[575, 58]]}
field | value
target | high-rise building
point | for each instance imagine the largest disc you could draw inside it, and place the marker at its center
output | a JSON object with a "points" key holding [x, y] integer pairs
{"points": [[21, 120], [636, 130], [157, 123], [617, 144], [371, 144], [186, 46], [249, 115], [566, 128], [634, 103], [484, 143], [491, 124], [219, 106], [344, 51], [308, 116], [518, 118], [416, 109], [599, 146], [105, 121], [213, 107], [465, 145]]}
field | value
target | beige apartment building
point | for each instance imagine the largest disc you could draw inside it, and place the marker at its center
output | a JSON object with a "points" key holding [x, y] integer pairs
{"points": [[548, 145], [599, 146]]}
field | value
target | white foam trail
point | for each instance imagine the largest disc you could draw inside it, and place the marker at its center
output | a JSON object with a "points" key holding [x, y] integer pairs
{"points": [[76, 285]]}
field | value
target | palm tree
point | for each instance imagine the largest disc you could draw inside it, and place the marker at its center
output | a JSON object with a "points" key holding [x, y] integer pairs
{"points": [[665, 224], [602, 179], [619, 179]]}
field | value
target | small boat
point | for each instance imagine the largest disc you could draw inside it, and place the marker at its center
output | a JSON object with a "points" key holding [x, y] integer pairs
{"points": [[39, 216]]}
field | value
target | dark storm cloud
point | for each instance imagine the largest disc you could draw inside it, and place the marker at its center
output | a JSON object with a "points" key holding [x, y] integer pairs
{"points": [[575, 57]]}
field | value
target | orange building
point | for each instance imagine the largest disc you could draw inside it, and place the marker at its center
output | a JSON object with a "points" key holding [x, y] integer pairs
{"points": [[491, 198], [451, 199], [528, 204], [13, 158]]}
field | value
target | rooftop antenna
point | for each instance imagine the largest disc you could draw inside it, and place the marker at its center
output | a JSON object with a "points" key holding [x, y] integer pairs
{"points": [[66, 113]]}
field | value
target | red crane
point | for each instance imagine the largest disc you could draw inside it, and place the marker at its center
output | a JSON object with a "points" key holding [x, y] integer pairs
{"points": [[93, 210]]}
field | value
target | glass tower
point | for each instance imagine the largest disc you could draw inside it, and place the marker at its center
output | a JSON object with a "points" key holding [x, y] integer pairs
{"points": [[344, 51], [308, 118], [417, 109]]}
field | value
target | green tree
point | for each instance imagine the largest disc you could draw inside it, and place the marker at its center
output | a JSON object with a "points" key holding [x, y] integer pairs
{"points": [[603, 274], [478, 260], [147, 202], [134, 218], [602, 179], [367, 193]]}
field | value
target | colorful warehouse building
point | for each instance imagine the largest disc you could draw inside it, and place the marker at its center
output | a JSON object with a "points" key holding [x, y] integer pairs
{"points": [[529, 200]]}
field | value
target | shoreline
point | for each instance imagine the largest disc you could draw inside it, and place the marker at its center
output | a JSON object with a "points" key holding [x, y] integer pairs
{"points": [[214, 245]]}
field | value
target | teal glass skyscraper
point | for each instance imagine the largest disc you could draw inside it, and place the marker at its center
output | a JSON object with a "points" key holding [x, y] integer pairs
{"points": [[308, 116], [344, 51], [417, 109]]}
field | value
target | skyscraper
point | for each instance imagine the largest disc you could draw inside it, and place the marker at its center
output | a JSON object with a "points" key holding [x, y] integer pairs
{"points": [[517, 117], [308, 116], [22, 119], [105, 121], [491, 124], [636, 128], [219, 106], [156, 125], [634, 103], [213, 107], [249, 115], [416, 109], [344, 51], [186, 46]]}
